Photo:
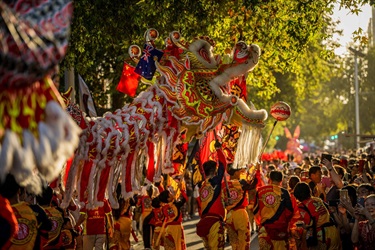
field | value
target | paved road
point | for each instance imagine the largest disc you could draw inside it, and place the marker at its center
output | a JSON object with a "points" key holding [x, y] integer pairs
{"points": [[193, 242]]}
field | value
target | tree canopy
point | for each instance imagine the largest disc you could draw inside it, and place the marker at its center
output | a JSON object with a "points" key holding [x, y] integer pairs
{"points": [[297, 65]]}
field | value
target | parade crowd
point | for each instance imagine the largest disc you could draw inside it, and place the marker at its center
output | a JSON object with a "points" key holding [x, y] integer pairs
{"points": [[325, 202]]}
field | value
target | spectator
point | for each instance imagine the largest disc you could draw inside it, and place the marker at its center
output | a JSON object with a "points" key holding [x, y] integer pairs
{"points": [[364, 231], [306, 164], [336, 173], [293, 180], [326, 179], [298, 171], [188, 207], [365, 189], [315, 182], [343, 217]]}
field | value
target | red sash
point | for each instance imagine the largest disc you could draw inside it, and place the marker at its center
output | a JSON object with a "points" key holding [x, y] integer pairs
{"points": [[205, 224]]}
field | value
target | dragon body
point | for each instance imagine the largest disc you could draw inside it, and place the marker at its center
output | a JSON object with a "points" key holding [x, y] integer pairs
{"points": [[190, 97]]}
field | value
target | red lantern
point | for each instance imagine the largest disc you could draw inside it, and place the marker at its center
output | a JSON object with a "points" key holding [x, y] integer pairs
{"points": [[280, 111]]}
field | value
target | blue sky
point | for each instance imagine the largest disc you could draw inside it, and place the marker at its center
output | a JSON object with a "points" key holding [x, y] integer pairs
{"points": [[349, 23]]}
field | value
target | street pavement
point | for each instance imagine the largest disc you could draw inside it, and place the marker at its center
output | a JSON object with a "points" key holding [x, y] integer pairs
{"points": [[193, 241]]}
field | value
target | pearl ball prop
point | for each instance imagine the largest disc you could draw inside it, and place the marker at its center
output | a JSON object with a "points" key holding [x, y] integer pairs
{"points": [[280, 111]]}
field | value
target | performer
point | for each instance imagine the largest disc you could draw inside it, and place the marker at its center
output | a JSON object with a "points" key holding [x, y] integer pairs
{"points": [[8, 222], [237, 222], [212, 211], [152, 226], [122, 224], [274, 211], [174, 237], [96, 222], [55, 215], [144, 202], [32, 220], [319, 231]]}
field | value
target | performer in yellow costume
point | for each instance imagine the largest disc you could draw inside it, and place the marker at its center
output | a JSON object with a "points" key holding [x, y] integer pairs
{"points": [[122, 224], [174, 238], [54, 215], [211, 226], [274, 211], [319, 231], [237, 222]]}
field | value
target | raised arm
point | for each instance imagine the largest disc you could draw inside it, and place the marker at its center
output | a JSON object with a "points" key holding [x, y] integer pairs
{"points": [[355, 233], [334, 175], [216, 180]]}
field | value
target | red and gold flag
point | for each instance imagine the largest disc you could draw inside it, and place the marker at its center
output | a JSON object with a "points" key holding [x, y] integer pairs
{"points": [[128, 83]]}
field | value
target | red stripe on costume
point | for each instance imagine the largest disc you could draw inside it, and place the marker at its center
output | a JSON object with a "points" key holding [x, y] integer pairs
{"points": [[151, 161], [128, 177], [85, 176], [67, 169], [104, 176]]}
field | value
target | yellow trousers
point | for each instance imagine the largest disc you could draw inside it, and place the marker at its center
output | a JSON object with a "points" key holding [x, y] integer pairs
{"points": [[174, 238], [125, 231], [265, 243], [215, 239], [238, 229]]}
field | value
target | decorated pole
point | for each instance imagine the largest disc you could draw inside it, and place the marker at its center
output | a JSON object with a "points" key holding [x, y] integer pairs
{"points": [[281, 112]]}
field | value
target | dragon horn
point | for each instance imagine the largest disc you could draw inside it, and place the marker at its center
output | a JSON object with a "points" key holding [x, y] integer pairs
{"points": [[175, 37]]}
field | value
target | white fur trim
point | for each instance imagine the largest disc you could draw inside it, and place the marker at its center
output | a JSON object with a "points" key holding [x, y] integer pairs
{"points": [[41, 158], [248, 147]]}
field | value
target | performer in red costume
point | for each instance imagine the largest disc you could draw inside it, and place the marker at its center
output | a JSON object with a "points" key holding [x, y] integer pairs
{"points": [[211, 226], [274, 212]]}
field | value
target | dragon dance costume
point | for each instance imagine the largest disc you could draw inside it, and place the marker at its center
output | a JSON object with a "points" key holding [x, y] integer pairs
{"points": [[211, 226], [174, 237], [312, 211], [274, 210], [237, 220]]}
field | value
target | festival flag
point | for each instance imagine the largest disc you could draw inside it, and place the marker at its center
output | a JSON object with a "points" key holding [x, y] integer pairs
{"points": [[128, 83], [179, 158], [204, 150], [146, 65], [229, 138], [86, 103], [175, 185], [207, 149]]}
